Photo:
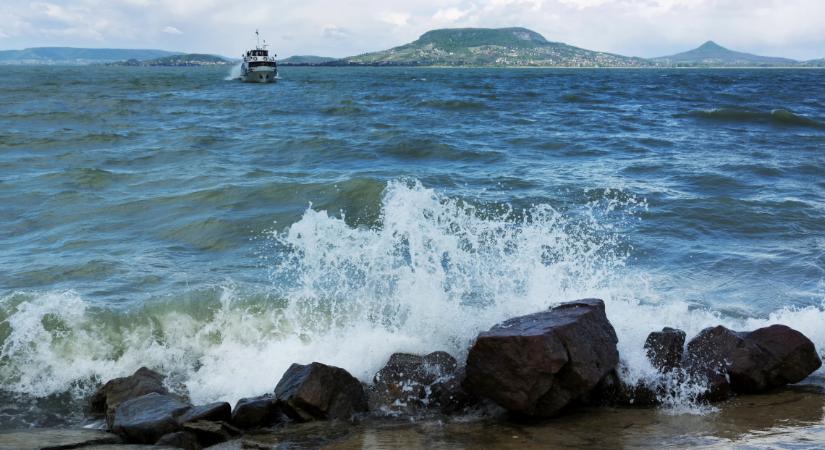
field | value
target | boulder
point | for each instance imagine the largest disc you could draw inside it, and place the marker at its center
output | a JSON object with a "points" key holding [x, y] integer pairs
{"points": [[210, 433], [754, 361], [256, 412], [145, 419], [320, 392], [665, 348], [410, 384], [216, 412], [612, 390], [109, 396], [180, 439], [536, 365]]}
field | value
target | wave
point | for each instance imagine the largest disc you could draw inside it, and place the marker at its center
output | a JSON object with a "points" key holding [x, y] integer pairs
{"points": [[453, 105], [781, 117], [430, 274]]}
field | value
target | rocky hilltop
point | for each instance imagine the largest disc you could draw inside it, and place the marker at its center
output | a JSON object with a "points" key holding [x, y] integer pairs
{"points": [[712, 54], [503, 47]]}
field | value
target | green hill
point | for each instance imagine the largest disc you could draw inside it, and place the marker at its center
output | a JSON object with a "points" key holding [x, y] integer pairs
{"points": [[306, 60], [713, 54], [77, 56], [191, 59], [490, 47]]}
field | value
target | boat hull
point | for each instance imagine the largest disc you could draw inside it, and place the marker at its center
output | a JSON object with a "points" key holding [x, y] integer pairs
{"points": [[259, 75]]}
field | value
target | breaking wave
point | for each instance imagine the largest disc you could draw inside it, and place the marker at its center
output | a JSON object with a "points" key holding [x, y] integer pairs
{"points": [[780, 117], [429, 275]]}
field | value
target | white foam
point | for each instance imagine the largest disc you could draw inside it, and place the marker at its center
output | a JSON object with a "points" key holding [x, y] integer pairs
{"points": [[430, 277], [234, 73]]}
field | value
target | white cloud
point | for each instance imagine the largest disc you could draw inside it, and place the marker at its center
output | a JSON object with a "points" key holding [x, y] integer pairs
{"points": [[398, 19], [449, 15], [3, 35], [171, 30]]}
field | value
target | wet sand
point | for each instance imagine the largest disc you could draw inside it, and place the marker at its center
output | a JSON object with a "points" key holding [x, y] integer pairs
{"points": [[791, 418]]}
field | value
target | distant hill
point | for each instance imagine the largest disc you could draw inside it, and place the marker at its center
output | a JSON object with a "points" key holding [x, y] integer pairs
{"points": [[713, 54], [77, 56], [186, 60], [488, 47], [815, 63], [305, 60]]}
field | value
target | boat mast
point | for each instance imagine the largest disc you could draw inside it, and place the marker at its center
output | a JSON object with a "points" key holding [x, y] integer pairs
{"points": [[258, 39]]}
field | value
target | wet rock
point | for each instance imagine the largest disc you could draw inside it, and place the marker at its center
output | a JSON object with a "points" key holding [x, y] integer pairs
{"points": [[216, 412], [754, 361], [612, 390], [54, 438], [180, 439], [146, 419], [320, 392], [256, 412], [109, 396], [410, 384], [665, 348], [211, 433], [536, 365]]}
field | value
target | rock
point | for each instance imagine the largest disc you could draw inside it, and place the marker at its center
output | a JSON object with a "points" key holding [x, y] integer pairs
{"points": [[755, 361], [256, 412], [409, 384], [320, 392], [665, 348], [54, 438], [109, 396], [612, 390], [216, 412], [180, 439], [145, 419], [536, 365], [211, 433]]}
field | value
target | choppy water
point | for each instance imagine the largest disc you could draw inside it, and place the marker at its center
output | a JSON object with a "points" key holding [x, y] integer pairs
{"points": [[220, 231]]}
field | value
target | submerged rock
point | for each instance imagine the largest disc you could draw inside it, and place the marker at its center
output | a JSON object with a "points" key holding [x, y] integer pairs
{"points": [[256, 412], [536, 365], [665, 348], [180, 439], [612, 390], [37, 439], [755, 361], [319, 392], [410, 384], [146, 419], [109, 396], [210, 433]]}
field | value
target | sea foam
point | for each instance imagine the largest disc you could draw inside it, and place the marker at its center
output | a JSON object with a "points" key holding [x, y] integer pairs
{"points": [[429, 276]]}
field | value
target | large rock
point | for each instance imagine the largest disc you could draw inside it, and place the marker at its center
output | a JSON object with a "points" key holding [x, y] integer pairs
{"points": [[665, 348], [145, 419], [755, 361], [410, 384], [320, 392], [536, 365], [109, 396], [216, 412], [256, 412]]}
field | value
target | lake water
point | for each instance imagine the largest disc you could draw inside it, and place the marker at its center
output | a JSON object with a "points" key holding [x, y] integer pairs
{"points": [[220, 231]]}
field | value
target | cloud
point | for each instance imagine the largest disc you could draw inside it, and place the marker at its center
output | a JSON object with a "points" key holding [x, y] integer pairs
{"points": [[449, 15], [398, 19], [3, 35], [335, 32], [171, 30]]}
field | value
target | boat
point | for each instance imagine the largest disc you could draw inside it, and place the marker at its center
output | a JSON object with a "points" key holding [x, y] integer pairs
{"points": [[258, 65]]}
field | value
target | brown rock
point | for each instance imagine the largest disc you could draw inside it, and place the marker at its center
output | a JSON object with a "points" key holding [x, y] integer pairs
{"points": [[665, 348], [536, 365], [109, 396], [319, 392]]}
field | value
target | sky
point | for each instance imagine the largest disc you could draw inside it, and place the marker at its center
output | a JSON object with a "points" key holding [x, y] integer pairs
{"points": [[647, 28]]}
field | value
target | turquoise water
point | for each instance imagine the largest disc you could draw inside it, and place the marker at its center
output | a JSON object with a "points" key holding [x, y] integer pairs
{"points": [[220, 231]]}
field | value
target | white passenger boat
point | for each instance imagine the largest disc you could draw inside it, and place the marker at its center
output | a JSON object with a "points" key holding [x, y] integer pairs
{"points": [[258, 65]]}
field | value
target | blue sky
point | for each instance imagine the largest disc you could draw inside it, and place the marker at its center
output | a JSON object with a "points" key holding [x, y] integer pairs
{"points": [[792, 28]]}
